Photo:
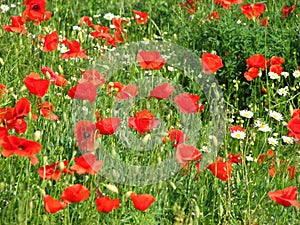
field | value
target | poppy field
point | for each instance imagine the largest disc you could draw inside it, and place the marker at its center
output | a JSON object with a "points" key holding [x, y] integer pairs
{"points": [[164, 112]]}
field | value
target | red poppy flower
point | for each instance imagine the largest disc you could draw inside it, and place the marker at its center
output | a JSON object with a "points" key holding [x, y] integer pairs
{"points": [[47, 109], [87, 163], [253, 10], [14, 118], [294, 127], [186, 153], [286, 10], [74, 51], [86, 20], [108, 126], [36, 11], [118, 23], [251, 74], [141, 17], [143, 121], [237, 128], [52, 205], [276, 60], [106, 204], [276, 69], [176, 136], [21, 147], [17, 25], [35, 85], [57, 79], [127, 92], [3, 134], [84, 91], [286, 197], [53, 171], [211, 63], [92, 76], [221, 170], [108, 37], [141, 202], [234, 158], [84, 132], [75, 193], [187, 103], [296, 113], [51, 42], [226, 4], [162, 91], [214, 16], [150, 60], [257, 61], [115, 86], [265, 22]]}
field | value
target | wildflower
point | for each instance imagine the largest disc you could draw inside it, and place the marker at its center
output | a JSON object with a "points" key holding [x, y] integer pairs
{"points": [[141, 202], [272, 141], [106, 204], [296, 73], [275, 115], [52, 205], [237, 132], [273, 76], [287, 140], [211, 63], [246, 114], [109, 16], [283, 91], [75, 193], [162, 91], [285, 197]]}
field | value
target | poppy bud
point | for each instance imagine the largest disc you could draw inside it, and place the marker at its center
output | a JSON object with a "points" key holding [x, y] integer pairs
{"points": [[1, 61]]}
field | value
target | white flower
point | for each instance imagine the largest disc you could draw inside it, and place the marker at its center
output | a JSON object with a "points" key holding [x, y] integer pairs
{"points": [[97, 16], [272, 141], [264, 127], [4, 8], [109, 16], [287, 140], [238, 22], [238, 134], [275, 115], [249, 158], [285, 74], [246, 113], [12, 6], [296, 73], [63, 49], [273, 76], [283, 91], [170, 68], [76, 28]]}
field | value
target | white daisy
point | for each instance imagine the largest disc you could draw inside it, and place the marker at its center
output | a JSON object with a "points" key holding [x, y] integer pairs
{"points": [[285, 74], [296, 73], [283, 91], [273, 76], [76, 28], [4, 8], [238, 134], [275, 115], [287, 140], [272, 141], [109, 16], [264, 127], [246, 113]]}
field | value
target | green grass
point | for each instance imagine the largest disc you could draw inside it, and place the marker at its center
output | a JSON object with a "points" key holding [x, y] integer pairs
{"points": [[187, 197]]}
